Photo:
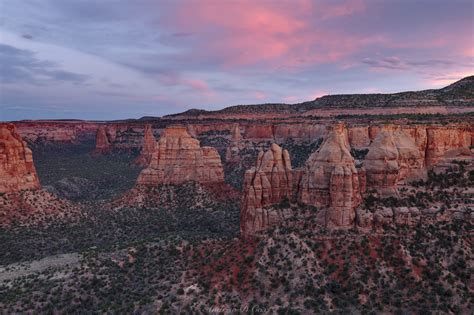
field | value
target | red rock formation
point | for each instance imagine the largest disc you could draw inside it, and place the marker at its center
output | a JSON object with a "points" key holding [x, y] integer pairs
{"points": [[149, 144], [102, 144], [446, 144], [266, 184], [259, 131], [56, 131], [393, 157], [232, 152], [299, 131], [178, 158], [359, 137], [17, 171], [331, 180]]}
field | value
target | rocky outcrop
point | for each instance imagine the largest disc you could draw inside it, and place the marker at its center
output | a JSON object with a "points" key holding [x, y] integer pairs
{"points": [[332, 181], [393, 158], [178, 158], [149, 144], [102, 144], [232, 154], [267, 184], [17, 171], [446, 144]]}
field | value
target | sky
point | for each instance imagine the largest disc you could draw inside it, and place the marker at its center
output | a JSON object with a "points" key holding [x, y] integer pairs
{"points": [[115, 59]]}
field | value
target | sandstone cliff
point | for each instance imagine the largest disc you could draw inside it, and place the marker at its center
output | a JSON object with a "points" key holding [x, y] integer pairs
{"points": [[331, 180], [17, 171], [446, 144], [149, 144], [393, 157], [178, 158], [267, 184]]}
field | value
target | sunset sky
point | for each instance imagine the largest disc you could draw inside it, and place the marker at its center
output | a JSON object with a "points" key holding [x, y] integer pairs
{"points": [[112, 59]]}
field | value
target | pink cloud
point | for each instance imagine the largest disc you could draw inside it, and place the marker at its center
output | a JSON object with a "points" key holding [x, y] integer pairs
{"points": [[279, 33], [290, 99], [260, 95], [438, 81], [317, 94]]}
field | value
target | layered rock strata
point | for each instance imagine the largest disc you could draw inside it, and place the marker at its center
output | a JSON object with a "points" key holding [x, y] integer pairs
{"points": [[331, 180], [178, 158], [393, 158], [17, 170], [446, 144], [269, 183]]}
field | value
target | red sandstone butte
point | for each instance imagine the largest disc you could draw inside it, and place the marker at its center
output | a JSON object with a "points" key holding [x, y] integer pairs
{"points": [[332, 181], [179, 158], [17, 171]]}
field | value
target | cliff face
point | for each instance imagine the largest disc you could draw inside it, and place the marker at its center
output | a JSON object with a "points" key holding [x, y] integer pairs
{"points": [[178, 158], [446, 143], [17, 171], [393, 157], [102, 144], [149, 144], [331, 181], [267, 184], [56, 131]]}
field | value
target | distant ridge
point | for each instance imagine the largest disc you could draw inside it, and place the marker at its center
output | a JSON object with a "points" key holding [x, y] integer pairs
{"points": [[459, 93]]}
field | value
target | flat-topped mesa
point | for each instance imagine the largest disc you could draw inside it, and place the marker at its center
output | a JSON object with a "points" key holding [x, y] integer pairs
{"points": [[178, 158], [393, 158], [149, 144], [269, 183], [102, 144], [331, 180], [17, 170]]}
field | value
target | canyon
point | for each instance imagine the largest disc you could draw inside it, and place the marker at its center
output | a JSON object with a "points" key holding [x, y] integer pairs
{"points": [[349, 190]]}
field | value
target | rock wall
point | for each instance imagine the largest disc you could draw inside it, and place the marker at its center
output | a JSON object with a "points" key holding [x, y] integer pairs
{"points": [[56, 131], [267, 184], [446, 143], [17, 170], [178, 158]]}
